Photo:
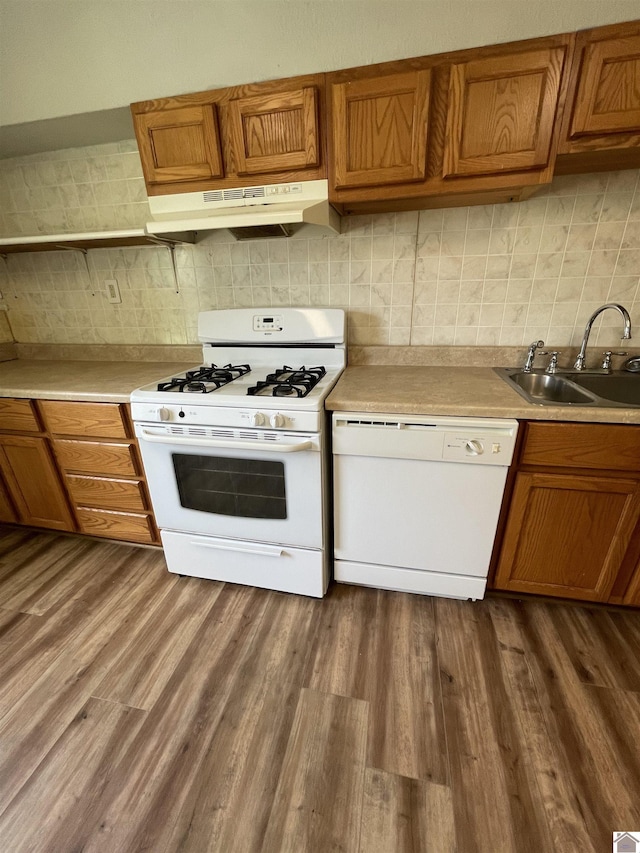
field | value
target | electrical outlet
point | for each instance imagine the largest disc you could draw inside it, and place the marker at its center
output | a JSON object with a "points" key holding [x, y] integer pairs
{"points": [[113, 291]]}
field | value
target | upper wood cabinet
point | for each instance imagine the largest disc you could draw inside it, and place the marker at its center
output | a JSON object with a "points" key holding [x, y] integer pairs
{"points": [[601, 128], [244, 135], [180, 144], [380, 129], [430, 131], [501, 113], [275, 133]]}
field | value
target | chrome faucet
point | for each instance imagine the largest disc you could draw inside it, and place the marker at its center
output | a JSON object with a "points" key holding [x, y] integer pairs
{"points": [[626, 335], [531, 354]]}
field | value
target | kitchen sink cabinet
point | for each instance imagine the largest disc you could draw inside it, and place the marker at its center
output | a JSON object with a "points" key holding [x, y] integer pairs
{"points": [[573, 520], [439, 130], [240, 136], [100, 464], [601, 126]]}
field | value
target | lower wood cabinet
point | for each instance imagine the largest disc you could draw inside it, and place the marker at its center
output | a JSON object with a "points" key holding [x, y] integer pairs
{"points": [[101, 468], [573, 518], [73, 466], [30, 473]]}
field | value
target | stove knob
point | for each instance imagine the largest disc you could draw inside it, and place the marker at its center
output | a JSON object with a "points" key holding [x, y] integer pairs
{"points": [[256, 418], [163, 413], [277, 420]]}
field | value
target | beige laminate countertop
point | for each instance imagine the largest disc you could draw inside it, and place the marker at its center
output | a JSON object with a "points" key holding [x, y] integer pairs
{"points": [[92, 381], [454, 391]]}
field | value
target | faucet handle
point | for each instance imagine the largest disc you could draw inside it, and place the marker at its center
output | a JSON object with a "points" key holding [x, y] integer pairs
{"points": [[606, 360], [552, 367]]}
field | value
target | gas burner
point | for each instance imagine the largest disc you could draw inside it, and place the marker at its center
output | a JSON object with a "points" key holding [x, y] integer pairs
{"points": [[205, 379], [288, 382]]}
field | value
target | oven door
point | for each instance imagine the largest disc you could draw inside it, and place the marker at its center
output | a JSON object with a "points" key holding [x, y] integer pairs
{"points": [[255, 485]]}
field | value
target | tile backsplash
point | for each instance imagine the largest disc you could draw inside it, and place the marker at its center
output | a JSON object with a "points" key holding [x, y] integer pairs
{"points": [[485, 275]]}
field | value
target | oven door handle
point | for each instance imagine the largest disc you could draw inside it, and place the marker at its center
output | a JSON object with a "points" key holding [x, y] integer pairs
{"points": [[274, 447]]}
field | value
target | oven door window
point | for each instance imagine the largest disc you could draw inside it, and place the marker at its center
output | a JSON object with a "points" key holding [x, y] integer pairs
{"points": [[248, 488]]}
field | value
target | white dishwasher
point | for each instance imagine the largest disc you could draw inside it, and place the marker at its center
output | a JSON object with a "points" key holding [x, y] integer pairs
{"points": [[417, 500]]}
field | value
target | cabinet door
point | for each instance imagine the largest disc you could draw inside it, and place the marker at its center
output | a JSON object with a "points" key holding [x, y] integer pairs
{"points": [[180, 144], [501, 113], [608, 94], [33, 481], [566, 535], [275, 132], [380, 129], [7, 512]]}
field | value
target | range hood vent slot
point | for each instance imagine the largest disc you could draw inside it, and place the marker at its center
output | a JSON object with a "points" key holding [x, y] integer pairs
{"points": [[212, 195], [260, 232]]}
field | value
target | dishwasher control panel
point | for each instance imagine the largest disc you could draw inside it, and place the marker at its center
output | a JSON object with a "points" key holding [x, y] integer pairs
{"points": [[471, 446]]}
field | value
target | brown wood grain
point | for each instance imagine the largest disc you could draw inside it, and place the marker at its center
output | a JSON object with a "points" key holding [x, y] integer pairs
{"points": [[93, 457], [106, 493], [570, 445], [258, 711], [107, 420], [129, 526], [33, 482], [322, 779], [406, 814], [18, 415]]}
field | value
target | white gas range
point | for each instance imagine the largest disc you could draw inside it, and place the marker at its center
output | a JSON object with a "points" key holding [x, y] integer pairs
{"points": [[235, 451]]}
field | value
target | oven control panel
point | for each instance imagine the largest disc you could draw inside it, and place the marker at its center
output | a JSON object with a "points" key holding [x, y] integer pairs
{"points": [[222, 416], [268, 323]]}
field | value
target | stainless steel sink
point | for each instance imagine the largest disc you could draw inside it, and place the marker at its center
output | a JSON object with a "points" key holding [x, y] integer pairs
{"points": [[621, 388], [605, 390]]}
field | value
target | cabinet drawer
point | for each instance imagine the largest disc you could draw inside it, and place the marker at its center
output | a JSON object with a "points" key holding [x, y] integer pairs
{"points": [[117, 525], [19, 415], [97, 457], [571, 445], [107, 493], [91, 419]]}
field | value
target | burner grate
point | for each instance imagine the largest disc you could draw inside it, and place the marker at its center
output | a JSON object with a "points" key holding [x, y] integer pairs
{"points": [[205, 379], [288, 382]]}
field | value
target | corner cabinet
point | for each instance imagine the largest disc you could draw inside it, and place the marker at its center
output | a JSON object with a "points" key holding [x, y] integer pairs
{"points": [[244, 135], [573, 523], [444, 127], [31, 492], [601, 128]]}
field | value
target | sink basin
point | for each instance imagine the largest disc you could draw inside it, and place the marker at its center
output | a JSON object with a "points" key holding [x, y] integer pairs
{"points": [[617, 387], [604, 390], [545, 388]]}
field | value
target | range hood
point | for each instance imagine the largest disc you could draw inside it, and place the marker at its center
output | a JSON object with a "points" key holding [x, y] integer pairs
{"points": [[248, 212]]}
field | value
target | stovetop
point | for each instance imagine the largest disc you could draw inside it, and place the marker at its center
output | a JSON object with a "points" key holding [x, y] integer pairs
{"points": [[254, 372]]}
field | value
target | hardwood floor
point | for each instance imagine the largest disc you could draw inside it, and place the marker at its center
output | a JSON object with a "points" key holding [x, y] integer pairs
{"points": [[140, 711]]}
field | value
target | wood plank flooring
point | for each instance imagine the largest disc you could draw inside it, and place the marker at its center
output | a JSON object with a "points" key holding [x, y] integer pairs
{"points": [[140, 711]]}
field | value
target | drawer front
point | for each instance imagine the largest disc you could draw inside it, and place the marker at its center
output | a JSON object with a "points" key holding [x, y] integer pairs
{"points": [[107, 493], [86, 419], [572, 445], [134, 527], [18, 414], [94, 457]]}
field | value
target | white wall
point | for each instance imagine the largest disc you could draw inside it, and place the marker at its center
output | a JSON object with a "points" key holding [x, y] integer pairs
{"points": [[64, 57]]}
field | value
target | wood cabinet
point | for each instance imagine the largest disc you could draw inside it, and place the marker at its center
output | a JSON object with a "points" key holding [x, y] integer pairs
{"points": [[31, 491], [240, 136], [446, 129], [601, 127], [98, 456], [574, 515]]}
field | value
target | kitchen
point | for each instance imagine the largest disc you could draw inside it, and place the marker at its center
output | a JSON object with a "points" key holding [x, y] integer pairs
{"points": [[483, 279]]}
